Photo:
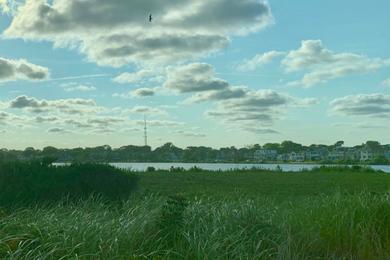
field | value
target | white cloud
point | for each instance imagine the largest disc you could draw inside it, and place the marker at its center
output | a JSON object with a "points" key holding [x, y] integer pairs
{"points": [[77, 87], [194, 77], [261, 130], [4, 117], [217, 95], [161, 123], [146, 110], [116, 33], [257, 109], [9, 6], [58, 130], [386, 82], [321, 65], [128, 78], [189, 134], [11, 70], [67, 106], [373, 105], [259, 60], [81, 117], [4, 7], [138, 93], [236, 105], [42, 119], [143, 92]]}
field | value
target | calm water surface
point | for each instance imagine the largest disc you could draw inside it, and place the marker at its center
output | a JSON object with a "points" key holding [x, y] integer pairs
{"points": [[228, 166]]}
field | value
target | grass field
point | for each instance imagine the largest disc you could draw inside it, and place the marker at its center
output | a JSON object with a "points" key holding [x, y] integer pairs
{"points": [[322, 214], [272, 184]]}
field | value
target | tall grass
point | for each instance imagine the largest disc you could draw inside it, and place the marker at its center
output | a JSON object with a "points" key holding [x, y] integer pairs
{"points": [[327, 227], [31, 182], [71, 213]]}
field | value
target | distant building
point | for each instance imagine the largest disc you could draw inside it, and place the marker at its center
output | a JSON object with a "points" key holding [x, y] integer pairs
{"points": [[336, 155], [282, 157], [296, 157], [313, 155], [265, 155], [387, 154], [366, 155], [352, 154]]}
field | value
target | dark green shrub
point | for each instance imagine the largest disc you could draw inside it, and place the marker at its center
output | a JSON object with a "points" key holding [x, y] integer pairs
{"points": [[29, 182], [177, 169], [195, 169], [150, 169], [172, 213]]}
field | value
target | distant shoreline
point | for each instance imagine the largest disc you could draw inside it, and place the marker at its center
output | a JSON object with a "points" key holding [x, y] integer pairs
{"points": [[177, 166], [241, 163]]}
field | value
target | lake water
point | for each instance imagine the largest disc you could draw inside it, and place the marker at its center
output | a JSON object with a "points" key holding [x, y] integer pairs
{"points": [[228, 166]]}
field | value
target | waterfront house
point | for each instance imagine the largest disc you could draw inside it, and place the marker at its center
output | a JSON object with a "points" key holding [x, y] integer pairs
{"points": [[366, 155], [313, 155], [352, 154], [297, 157], [336, 155], [265, 155], [282, 157]]}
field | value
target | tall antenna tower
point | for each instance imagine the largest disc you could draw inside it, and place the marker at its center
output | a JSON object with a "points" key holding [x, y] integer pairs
{"points": [[145, 132]]}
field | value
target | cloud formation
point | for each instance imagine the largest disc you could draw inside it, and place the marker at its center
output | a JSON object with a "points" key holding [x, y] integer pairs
{"points": [[256, 108], [67, 106], [386, 82], [74, 87], [138, 93], [234, 105], [128, 78], [374, 105], [58, 130], [194, 77], [224, 94], [259, 60], [146, 110], [190, 134], [143, 92], [80, 116], [321, 65], [116, 33], [11, 70]]}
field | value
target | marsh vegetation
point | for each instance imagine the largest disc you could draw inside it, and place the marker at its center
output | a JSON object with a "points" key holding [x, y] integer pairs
{"points": [[338, 213]]}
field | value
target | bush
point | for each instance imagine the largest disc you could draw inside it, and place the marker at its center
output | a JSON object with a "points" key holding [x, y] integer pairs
{"points": [[28, 182], [177, 169], [150, 169]]}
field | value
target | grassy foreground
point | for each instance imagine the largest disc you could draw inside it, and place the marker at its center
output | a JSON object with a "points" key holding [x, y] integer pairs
{"points": [[323, 214]]}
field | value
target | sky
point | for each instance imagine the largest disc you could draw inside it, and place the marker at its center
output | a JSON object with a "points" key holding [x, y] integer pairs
{"points": [[82, 73]]}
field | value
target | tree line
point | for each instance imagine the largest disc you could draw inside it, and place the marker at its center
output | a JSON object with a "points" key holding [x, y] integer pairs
{"points": [[171, 153]]}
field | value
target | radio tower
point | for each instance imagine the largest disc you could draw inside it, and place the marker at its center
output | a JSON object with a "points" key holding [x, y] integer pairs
{"points": [[145, 132]]}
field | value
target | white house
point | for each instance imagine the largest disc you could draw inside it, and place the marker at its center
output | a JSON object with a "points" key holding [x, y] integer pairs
{"points": [[336, 155], [366, 155], [265, 155], [352, 154], [313, 155], [296, 157]]}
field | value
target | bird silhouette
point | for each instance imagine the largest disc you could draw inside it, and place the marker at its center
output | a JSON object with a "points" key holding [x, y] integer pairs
{"points": [[150, 18]]}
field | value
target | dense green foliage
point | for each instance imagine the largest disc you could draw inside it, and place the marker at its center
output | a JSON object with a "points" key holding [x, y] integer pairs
{"points": [[337, 213], [171, 153], [29, 182], [257, 182], [324, 227]]}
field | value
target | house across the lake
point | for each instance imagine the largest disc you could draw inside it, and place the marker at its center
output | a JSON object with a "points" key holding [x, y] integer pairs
{"points": [[366, 155], [265, 155]]}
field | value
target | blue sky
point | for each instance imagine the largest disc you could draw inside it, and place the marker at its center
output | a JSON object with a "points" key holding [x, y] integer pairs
{"points": [[218, 73]]}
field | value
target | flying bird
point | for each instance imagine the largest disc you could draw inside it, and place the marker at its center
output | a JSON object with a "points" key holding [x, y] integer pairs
{"points": [[150, 18]]}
